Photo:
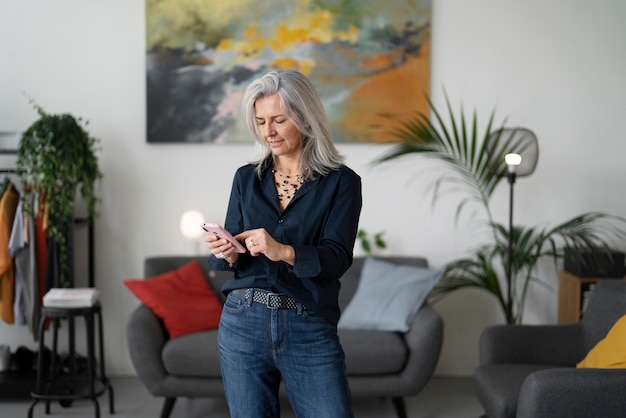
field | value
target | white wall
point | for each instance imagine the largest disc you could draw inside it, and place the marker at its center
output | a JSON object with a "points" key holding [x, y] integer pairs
{"points": [[556, 67]]}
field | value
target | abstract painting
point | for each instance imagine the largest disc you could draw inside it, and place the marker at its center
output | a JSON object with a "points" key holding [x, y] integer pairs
{"points": [[367, 59]]}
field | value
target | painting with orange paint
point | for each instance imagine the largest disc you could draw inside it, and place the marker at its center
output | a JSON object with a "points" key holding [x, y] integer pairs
{"points": [[367, 59]]}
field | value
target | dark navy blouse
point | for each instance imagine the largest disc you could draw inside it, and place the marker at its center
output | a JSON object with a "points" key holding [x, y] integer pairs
{"points": [[320, 223]]}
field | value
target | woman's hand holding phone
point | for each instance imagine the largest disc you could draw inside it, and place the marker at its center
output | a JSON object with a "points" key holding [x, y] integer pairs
{"points": [[228, 251], [221, 233]]}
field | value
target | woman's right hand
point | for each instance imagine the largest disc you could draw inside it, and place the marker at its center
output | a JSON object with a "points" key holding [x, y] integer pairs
{"points": [[259, 241]]}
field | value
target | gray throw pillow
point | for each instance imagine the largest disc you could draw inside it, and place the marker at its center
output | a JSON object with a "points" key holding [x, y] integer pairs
{"points": [[388, 296]]}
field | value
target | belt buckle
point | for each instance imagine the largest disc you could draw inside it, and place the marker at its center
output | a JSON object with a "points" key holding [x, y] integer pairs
{"points": [[274, 301]]}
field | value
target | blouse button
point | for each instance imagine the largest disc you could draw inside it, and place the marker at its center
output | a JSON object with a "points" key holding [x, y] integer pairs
{"points": [[280, 221]]}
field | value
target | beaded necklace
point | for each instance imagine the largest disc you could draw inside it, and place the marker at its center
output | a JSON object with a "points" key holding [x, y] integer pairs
{"points": [[286, 187]]}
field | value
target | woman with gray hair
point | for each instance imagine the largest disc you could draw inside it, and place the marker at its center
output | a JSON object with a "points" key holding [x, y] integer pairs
{"points": [[296, 210]]}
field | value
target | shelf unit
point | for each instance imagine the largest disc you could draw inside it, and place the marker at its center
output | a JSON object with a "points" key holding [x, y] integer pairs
{"points": [[573, 295], [19, 384]]}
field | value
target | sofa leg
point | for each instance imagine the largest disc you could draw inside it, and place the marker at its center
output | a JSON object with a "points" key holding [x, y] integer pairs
{"points": [[168, 405], [398, 404]]}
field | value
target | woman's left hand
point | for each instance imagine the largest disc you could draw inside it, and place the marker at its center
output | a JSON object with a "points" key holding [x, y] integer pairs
{"points": [[258, 241]]}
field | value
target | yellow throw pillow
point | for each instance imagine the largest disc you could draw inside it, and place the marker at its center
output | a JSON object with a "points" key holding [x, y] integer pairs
{"points": [[609, 353]]}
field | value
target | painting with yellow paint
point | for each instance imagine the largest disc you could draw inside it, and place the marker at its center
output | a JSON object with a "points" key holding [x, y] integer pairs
{"points": [[367, 59]]}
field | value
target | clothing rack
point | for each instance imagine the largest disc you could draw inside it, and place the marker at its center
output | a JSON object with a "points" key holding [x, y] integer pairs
{"points": [[19, 384]]}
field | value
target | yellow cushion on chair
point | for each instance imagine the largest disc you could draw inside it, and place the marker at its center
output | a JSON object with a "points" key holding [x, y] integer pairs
{"points": [[609, 353]]}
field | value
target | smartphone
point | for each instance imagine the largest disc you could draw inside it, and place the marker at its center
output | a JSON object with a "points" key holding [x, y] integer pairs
{"points": [[222, 233]]}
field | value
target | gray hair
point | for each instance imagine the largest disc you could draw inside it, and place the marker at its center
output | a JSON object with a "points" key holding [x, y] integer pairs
{"points": [[303, 107]]}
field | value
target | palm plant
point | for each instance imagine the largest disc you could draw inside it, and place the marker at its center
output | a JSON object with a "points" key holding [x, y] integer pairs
{"points": [[478, 166]]}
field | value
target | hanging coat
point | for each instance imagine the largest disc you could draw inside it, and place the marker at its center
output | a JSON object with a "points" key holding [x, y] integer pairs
{"points": [[8, 205]]}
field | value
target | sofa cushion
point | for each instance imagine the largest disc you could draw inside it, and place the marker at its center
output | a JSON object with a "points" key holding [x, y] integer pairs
{"points": [[373, 352], [388, 296], [192, 355], [367, 353], [182, 298], [610, 352]]}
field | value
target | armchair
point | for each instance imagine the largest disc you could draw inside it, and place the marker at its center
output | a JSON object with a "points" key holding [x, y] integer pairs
{"points": [[530, 370]]}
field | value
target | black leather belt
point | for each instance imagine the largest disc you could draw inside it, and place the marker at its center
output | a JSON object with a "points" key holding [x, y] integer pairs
{"points": [[267, 298]]}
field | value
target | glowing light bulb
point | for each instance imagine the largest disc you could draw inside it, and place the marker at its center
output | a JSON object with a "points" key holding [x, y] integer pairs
{"points": [[512, 160], [190, 224]]}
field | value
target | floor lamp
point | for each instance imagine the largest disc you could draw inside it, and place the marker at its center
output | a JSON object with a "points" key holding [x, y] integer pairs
{"points": [[512, 160], [515, 150]]}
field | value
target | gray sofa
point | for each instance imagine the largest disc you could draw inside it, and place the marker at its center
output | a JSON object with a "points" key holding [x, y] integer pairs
{"points": [[379, 364], [529, 371]]}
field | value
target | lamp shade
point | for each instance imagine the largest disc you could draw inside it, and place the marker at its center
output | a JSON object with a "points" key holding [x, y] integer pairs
{"points": [[190, 224], [519, 141]]}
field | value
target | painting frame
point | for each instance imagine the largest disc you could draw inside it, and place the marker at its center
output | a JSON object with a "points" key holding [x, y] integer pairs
{"points": [[369, 61]]}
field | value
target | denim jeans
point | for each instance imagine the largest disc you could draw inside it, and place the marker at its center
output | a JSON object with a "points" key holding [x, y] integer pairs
{"points": [[258, 346]]}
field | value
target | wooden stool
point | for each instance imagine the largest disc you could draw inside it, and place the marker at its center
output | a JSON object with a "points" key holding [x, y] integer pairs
{"points": [[52, 386]]}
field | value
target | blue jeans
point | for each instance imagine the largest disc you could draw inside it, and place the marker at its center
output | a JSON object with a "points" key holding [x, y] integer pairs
{"points": [[258, 346]]}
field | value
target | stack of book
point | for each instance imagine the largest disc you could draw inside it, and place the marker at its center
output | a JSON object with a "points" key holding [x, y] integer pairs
{"points": [[79, 297]]}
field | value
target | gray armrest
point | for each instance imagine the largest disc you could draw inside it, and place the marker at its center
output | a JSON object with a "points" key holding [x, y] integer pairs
{"points": [[560, 344], [568, 393], [146, 336], [424, 341]]}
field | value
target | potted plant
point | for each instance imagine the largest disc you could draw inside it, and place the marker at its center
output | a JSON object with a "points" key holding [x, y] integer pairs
{"points": [[370, 243], [56, 157], [461, 147]]}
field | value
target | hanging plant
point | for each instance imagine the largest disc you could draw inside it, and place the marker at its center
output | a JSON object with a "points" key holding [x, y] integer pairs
{"points": [[56, 157]]}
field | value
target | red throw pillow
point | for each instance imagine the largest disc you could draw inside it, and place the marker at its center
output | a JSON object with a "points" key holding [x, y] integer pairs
{"points": [[181, 298]]}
